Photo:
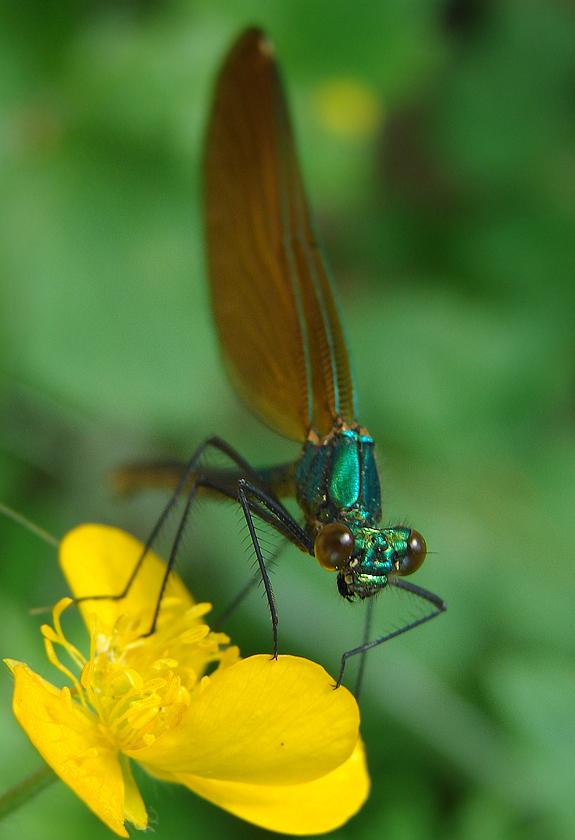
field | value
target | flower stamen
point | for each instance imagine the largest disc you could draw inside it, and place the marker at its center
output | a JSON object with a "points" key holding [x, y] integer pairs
{"points": [[140, 686]]}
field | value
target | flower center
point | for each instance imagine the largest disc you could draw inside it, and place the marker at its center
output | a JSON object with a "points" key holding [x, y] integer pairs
{"points": [[140, 686]]}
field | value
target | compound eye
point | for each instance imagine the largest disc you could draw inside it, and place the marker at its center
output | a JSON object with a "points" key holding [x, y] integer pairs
{"points": [[414, 556], [334, 546]]}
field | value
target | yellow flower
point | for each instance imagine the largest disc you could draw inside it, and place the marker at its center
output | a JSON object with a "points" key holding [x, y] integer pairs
{"points": [[349, 108], [269, 740]]}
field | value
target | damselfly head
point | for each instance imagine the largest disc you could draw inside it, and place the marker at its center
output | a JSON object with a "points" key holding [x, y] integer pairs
{"points": [[377, 555], [413, 555], [334, 546]]}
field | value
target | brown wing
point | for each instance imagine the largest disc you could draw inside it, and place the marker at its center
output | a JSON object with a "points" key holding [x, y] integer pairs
{"points": [[277, 321]]}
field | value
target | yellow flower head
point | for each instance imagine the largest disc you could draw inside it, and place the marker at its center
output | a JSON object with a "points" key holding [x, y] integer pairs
{"points": [[269, 740], [349, 109]]}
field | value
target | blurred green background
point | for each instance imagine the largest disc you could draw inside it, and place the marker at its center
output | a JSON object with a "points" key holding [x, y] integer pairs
{"points": [[438, 145]]}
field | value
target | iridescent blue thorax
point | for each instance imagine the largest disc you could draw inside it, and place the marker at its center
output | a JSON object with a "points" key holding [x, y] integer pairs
{"points": [[336, 480]]}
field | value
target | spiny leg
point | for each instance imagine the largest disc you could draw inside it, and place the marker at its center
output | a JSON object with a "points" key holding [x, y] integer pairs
{"points": [[263, 504], [231, 608], [190, 467], [437, 603], [366, 634], [253, 500], [265, 577], [250, 490]]}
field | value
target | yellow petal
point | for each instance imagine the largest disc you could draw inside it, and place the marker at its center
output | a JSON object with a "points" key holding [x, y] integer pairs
{"points": [[71, 742], [98, 560], [262, 721], [311, 808]]}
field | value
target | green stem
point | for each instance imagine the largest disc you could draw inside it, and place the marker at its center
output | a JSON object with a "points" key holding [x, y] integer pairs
{"points": [[35, 529], [25, 791]]}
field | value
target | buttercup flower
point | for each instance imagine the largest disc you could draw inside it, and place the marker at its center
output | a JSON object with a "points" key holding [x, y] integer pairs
{"points": [[269, 740]]}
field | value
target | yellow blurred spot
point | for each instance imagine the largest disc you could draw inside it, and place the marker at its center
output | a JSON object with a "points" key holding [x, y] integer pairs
{"points": [[349, 108]]}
